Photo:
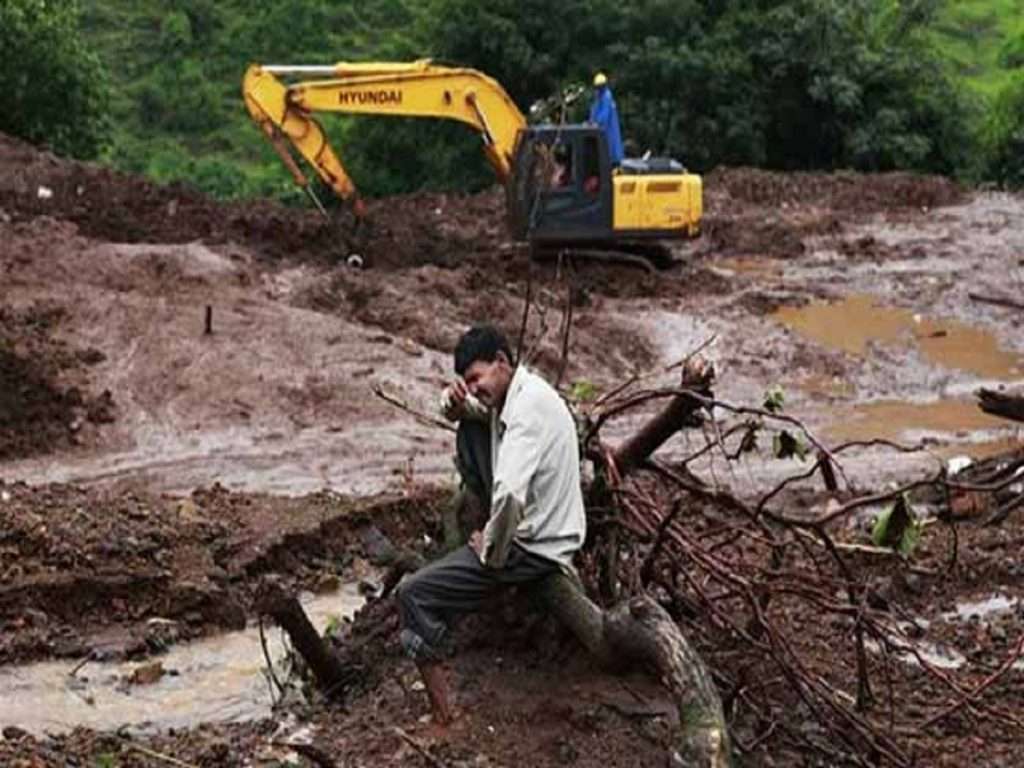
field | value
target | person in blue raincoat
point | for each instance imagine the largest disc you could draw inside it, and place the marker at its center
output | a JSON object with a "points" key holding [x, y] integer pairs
{"points": [[604, 112]]}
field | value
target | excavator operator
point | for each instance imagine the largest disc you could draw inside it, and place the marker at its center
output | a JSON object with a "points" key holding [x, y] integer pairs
{"points": [[604, 113]]}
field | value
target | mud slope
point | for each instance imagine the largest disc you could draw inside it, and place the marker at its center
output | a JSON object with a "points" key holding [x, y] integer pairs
{"points": [[127, 386]]}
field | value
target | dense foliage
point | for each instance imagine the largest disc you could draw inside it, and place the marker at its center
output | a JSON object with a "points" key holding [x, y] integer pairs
{"points": [[1004, 135], [787, 84], [790, 84], [55, 88]]}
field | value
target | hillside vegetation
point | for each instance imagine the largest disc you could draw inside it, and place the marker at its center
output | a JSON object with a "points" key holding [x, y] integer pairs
{"points": [[929, 85], [984, 41]]}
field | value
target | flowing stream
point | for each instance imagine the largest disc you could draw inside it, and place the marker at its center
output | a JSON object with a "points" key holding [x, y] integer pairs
{"points": [[218, 679]]}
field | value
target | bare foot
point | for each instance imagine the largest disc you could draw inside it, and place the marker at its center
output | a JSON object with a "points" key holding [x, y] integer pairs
{"points": [[433, 729], [436, 683]]}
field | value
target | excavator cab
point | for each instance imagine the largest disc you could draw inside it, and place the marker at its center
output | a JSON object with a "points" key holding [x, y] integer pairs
{"points": [[564, 191], [560, 190]]}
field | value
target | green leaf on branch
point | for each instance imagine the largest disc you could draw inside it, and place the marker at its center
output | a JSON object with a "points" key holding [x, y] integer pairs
{"points": [[582, 391], [897, 527], [774, 400], [334, 624], [749, 442], [785, 446]]}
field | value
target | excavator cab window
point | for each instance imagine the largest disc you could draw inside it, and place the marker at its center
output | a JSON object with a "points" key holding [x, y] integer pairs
{"points": [[591, 163], [562, 187], [562, 173], [560, 190]]}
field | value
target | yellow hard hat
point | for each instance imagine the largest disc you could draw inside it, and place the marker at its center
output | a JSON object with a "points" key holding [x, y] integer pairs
{"points": [[600, 79]]}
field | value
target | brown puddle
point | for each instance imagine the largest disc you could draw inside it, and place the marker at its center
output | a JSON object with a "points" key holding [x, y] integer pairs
{"points": [[982, 450], [889, 419], [220, 679], [850, 324]]}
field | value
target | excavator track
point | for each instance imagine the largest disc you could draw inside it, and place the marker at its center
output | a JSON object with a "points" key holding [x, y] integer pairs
{"points": [[648, 255]]}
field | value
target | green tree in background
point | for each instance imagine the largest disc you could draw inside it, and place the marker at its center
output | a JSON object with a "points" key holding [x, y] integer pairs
{"points": [[56, 89], [528, 46], [793, 84], [1004, 134], [531, 47], [685, 83], [787, 84], [783, 84]]}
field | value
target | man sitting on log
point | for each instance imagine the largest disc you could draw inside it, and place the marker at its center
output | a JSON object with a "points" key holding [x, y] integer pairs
{"points": [[525, 461]]}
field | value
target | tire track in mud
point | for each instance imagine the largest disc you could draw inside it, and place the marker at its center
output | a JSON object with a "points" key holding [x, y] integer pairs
{"points": [[362, 461]]}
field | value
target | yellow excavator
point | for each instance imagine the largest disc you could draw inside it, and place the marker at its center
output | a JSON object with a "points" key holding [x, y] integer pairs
{"points": [[561, 187]]}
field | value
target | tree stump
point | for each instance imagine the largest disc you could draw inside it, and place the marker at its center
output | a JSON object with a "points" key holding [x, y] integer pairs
{"points": [[1001, 404], [331, 675]]}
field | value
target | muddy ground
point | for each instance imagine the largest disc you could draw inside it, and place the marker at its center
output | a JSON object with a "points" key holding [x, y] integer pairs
{"points": [[154, 472]]}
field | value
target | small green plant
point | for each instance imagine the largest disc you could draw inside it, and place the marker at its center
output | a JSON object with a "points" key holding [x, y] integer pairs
{"points": [[582, 391], [106, 760], [333, 625]]}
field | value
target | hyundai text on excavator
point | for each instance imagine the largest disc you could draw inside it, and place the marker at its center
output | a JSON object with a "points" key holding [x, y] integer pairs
{"points": [[561, 188]]}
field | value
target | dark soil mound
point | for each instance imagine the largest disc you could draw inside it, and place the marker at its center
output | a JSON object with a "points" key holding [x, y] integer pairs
{"points": [[117, 207], [845, 191], [37, 411], [107, 205]]}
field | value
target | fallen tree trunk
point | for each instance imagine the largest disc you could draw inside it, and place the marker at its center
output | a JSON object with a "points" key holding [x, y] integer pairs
{"points": [[999, 301], [640, 633], [681, 411], [1000, 404]]}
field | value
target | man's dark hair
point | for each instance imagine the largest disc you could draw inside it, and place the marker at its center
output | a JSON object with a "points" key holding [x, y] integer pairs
{"points": [[481, 342]]}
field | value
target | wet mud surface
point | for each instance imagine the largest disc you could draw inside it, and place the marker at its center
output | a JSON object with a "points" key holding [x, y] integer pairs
{"points": [[529, 695], [153, 472], [85, 572]]}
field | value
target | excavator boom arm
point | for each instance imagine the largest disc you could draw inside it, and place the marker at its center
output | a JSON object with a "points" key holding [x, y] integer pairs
{"points": [[416, 89]]}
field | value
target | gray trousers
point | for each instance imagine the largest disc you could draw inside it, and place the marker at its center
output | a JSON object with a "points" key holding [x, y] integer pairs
{"points": [[473, 457], [470, 506], [431, 599]]}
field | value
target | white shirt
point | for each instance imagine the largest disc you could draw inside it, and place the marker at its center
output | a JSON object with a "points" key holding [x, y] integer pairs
{"points": [[536, 500]]}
